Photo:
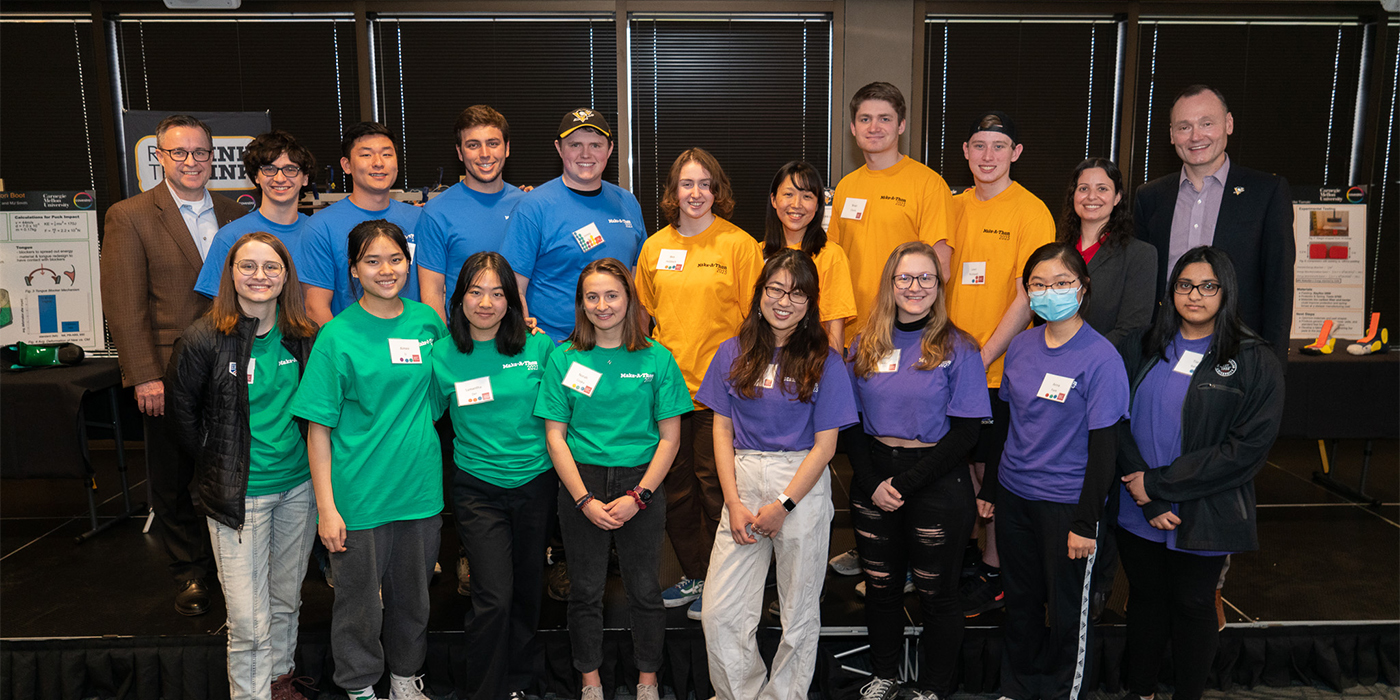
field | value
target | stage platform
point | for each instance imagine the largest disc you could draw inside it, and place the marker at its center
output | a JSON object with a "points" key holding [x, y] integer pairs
{"points": [[1316, 611]]}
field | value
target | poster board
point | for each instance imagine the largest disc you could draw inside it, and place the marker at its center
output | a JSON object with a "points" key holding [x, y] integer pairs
{"points": [[1329, 273], [50, 291]]}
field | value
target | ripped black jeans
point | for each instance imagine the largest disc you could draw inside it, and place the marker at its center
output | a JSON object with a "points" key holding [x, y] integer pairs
{"points": [[926, 536]]}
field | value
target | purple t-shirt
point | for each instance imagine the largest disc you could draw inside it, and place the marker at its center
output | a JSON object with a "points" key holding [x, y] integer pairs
{"points": [[1047, 449], [776, 421], [1156, 426], [914, 404]]}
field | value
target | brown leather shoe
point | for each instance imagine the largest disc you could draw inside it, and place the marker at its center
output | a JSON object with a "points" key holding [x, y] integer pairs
{"points": [[1219, 609]]}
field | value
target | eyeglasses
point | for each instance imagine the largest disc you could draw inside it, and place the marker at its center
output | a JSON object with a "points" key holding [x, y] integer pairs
{"points": [[928, 280], [248, 268], [1207, 289], [1062, 284], [179, 155], [290, 171], [795, 296]]}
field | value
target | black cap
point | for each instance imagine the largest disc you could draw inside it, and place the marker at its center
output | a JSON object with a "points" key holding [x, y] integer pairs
{"points": [[581, 118], [1003, 124]]}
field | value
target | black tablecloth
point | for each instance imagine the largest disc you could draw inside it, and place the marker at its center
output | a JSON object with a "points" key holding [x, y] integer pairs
{"points": [[39, 417], [1341, 396]]}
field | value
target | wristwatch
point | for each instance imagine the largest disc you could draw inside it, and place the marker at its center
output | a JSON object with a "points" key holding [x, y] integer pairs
{"points": [[643, 494], [788, 503]]}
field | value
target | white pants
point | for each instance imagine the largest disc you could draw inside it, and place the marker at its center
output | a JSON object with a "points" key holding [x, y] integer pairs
{"points": [[734, 584]]}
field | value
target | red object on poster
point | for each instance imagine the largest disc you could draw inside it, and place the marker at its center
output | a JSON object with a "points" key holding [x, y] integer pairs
{"points": [[1337, 252], [1317, 251]]}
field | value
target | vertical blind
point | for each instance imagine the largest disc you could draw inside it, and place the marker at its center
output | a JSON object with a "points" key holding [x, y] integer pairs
{"points": [[302, 70], [52, 138], [1384, 245], [532, 70], [753, 91], [1055, 78]]}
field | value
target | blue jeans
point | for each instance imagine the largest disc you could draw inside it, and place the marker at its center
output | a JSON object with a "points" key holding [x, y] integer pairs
{"points": [[261, 568]]}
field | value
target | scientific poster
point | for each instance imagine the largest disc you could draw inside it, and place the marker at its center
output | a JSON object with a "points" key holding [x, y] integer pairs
{"points": [[49, 286], [1329, 275]]}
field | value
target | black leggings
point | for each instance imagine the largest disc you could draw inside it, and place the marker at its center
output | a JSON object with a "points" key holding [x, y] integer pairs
{"points": [[928, 534], [1171, 599]]}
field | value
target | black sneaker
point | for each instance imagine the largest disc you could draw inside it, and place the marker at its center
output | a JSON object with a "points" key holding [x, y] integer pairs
{"points": [[880, 689], [981, 594], [558, 581]]}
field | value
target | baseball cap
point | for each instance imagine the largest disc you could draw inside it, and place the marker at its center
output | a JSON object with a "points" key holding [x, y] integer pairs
{"points": [[1003, 125], [581, 118]]}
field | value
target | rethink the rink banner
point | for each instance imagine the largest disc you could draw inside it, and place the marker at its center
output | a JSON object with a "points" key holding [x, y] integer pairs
{"points": [[232, 132]]}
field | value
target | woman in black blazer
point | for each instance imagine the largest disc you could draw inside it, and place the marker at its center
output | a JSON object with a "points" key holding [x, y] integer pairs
{"points": [[1124, 269]]}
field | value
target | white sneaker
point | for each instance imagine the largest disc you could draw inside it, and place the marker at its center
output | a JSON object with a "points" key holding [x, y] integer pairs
{"points": [[846, 563], [410, 688], [591, 692], [880, 689]]}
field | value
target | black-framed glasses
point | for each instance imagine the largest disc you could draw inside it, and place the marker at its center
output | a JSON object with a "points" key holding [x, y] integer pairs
{"points": [[290, 170], [1062, 284], [1207, 289], [928, 280], [796, 296], [180, 155], [248, 268]]}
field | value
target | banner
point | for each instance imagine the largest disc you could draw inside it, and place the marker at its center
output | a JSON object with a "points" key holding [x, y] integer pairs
{"points": [[1329, 274], [49, 286], [232, 132]]}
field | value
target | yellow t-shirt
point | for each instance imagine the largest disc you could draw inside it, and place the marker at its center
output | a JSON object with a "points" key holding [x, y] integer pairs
{"points": [[874, 211], [991, 242], [838, 300], [698, 289]]}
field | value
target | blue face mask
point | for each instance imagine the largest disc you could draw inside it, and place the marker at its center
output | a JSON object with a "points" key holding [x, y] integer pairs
{"points": [[1055, 304]]}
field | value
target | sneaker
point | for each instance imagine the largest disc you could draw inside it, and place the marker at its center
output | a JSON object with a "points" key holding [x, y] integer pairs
{"points": [[908, 585], [693, 612], [880, 689], [464, 577], [591, 692], [686, 591], [283, 688], [924, 695], [410, 688], [982, 594], [648, 692], [846, 563], [558, 580], [517, 695], [366, 694]]}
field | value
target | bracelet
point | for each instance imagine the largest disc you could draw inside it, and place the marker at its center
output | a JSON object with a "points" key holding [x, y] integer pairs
{"points": [[580, 503], [641, 505]]}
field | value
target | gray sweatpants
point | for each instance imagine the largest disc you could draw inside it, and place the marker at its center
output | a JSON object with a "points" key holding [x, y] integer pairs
{"points": [[381, 593]]}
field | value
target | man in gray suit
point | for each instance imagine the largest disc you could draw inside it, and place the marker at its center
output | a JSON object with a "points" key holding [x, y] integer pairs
{"points": [[152, 250]]}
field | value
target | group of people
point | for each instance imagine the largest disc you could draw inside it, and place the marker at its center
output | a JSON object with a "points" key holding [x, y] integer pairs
{"points": [[603, 390]]}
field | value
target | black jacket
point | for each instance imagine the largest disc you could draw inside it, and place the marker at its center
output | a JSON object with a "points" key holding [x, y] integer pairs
{"points": [[1229, 420], [208, 407]]}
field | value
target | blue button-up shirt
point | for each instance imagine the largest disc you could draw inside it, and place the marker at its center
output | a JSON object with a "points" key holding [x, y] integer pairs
{"points": [[199, 219]]}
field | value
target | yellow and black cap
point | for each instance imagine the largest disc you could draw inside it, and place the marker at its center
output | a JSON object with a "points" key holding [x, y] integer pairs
{"points": [[584, 118]]}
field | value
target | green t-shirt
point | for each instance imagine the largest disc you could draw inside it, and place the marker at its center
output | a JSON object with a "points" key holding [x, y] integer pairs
{"points": [[277, 455], [492, 400], [614, 425], [385, 461]]}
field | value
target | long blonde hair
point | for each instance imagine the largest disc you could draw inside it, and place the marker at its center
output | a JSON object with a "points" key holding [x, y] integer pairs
{"points": [[935, 346]]}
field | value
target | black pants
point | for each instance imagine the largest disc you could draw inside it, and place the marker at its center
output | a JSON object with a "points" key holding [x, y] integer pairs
{"points": [[1172, 600], [181, 530], [503, 531], [927, 534], [1042, 584]]}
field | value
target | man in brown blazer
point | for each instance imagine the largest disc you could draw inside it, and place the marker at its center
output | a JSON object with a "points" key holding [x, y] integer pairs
{"points": [[152, 250]]}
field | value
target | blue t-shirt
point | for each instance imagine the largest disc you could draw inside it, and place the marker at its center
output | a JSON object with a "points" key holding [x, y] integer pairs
{"points": [[325, 258], [211, 274], [458, 223], [1156, 426], [776, 421], [1047, 449], [555, 232], [914, 404]]}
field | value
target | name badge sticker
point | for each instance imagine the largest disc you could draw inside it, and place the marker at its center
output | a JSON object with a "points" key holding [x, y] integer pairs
{"points": [[670, 259], [1055, 388], [588, 237], [252, 364], [474, 391], [889, 363], [974, 273], [581, 379], [854, 208], [770, 377], [405, 351], [1188, 362]]}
